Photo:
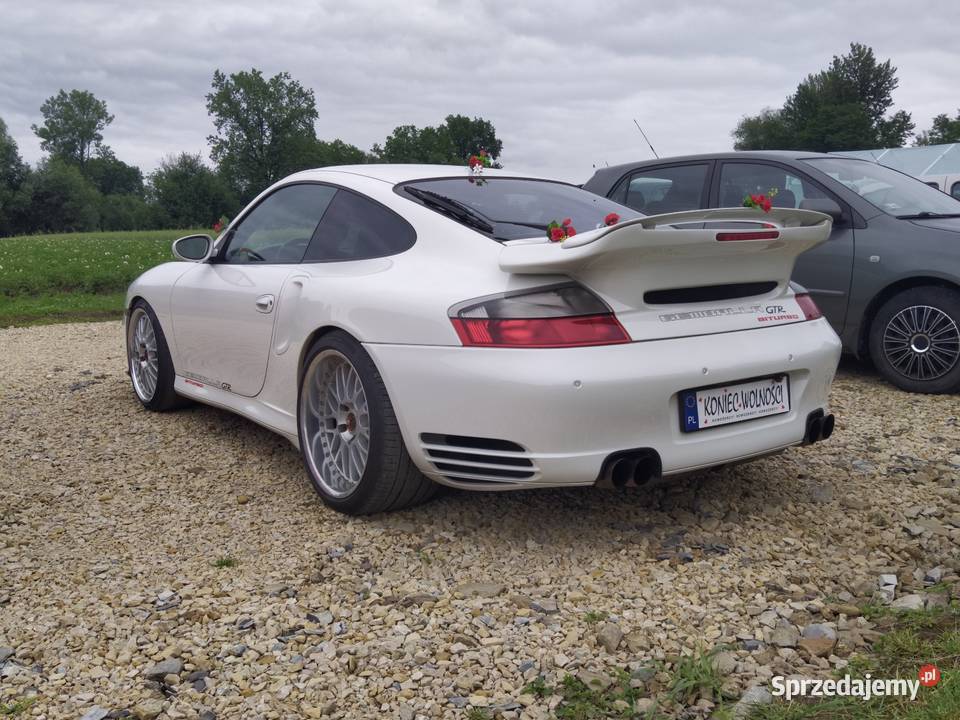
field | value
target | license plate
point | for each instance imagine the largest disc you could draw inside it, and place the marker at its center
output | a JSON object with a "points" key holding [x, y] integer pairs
{"points": [[714, 406]]}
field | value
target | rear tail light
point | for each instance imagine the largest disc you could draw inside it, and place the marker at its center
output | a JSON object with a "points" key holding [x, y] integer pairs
{"points": [[809, 307], [750, 235], [555, 317]]}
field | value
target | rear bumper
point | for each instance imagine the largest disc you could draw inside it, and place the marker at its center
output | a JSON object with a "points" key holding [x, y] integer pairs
{"points": [[569, 409]]}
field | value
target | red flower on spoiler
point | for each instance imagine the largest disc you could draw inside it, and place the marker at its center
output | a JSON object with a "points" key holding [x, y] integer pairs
{"points": [[611, 219], [558, 232], [761, 201]]}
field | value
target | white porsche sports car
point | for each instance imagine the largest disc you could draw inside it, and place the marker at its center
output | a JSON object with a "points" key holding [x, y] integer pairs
{"points": [[412, 325]]}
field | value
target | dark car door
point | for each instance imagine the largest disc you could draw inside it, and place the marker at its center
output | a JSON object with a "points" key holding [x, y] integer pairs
{"points": [[825, 270]]}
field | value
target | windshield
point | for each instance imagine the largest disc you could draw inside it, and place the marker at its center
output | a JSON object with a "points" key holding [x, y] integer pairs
{"points": [[513, 208], [891, 191]]}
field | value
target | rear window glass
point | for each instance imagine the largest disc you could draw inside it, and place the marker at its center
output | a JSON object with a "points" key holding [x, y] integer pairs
{"points": [[513, 208]]}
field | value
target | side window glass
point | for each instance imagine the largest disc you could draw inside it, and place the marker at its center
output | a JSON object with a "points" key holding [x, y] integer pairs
{"points": [[355, 228], [955, 190], [278, 230], [737, 180], [663, 190]]}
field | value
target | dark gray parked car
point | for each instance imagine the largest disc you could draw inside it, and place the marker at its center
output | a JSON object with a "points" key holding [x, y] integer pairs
{"points": [[888, 279]]}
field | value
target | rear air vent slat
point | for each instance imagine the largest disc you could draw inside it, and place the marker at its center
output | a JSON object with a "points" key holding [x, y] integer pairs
{"points": [[485, 471], [470, 442], [707, 293], [464, 459]]}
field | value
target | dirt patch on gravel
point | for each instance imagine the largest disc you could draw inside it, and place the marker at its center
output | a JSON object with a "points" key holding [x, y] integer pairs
{"points": [[129, 538]]}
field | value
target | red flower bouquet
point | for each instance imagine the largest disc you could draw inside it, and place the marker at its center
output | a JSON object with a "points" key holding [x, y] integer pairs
{"points": [[558, 232], [761, 201]]}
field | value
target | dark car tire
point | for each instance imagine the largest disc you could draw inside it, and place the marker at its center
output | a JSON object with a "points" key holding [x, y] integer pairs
{"points": [[388, 478], [917, 362], [156, 394]]}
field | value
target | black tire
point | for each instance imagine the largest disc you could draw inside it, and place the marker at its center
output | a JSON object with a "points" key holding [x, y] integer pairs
{"points": [[163, 396], [892, 348], [389, 480]]}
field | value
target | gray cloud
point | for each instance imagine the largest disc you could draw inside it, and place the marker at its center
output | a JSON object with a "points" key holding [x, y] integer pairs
{"points": [[560, 82]]}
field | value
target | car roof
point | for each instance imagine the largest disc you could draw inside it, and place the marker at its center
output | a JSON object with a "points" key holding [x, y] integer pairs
{"points": [[732, 154], [398, 173]]}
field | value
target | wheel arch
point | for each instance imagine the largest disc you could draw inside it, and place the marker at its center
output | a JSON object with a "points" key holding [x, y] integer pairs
{"points": [[311, 339], [894, 288]]}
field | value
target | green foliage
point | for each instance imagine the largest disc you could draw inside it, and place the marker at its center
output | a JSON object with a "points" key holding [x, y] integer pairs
{"points": [[694, 675], [225, 562], [943, 130], [335, 152], [264, 128], [73, 125], [112, 176], [189, 194], [450, 143], [57, 198], [537, 687], [95, 262], [841, 108], [13, 172], [475, 713], [595, 616], [126, 212], [16, 707], [584, 703]]}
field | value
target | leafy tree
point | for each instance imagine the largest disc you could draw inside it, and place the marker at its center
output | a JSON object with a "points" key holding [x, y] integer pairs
{"points": [[944, 130], [114, 177], [450, 143], [73, 125], [13, 172], [324, 153], [126, 212], [58, 198], [264, 127], [841, 108], [189, 194]]}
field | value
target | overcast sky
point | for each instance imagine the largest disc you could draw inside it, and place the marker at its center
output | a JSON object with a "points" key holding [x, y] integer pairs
{"points": [[560, 81]]}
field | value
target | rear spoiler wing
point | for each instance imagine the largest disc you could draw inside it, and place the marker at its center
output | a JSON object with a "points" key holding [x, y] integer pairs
{"points": [[656, 240]]}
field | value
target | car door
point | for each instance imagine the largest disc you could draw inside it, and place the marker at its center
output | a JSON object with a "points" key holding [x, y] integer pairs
{"points": [[224, 310], [825, 270]]}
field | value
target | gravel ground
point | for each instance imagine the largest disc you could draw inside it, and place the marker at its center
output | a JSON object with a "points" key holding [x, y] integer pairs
{"points": [[113, 520]]}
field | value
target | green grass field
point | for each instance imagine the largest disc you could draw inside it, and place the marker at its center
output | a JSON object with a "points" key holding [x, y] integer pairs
{"points": [[76, 276]]}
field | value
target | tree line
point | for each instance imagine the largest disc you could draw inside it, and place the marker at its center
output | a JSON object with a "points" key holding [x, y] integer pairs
{"points": [[845, 107], [263, 130]]}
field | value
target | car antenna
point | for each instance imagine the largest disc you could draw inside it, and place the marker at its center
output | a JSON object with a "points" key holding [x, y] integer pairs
{"points": [[645, 138]]}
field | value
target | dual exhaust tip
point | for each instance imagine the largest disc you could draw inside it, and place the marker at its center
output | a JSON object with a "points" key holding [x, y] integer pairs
{"points": [[819, 427], [631, 469]]}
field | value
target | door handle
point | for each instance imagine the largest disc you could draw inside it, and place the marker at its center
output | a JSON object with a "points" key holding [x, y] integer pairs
{"points": [[264, 303]]}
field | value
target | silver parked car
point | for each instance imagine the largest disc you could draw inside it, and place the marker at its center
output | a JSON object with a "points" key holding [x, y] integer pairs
{"points": [[888, 279]]}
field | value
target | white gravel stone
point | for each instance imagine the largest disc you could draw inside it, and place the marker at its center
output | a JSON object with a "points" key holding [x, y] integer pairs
{"points": [[113, 518]]}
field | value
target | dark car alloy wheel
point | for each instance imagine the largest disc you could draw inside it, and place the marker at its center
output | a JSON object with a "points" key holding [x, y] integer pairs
{"points": [[922, 342]]}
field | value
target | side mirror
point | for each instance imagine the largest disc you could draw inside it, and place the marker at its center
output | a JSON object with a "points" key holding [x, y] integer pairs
{"points": [[193, 248], [823, 205]]}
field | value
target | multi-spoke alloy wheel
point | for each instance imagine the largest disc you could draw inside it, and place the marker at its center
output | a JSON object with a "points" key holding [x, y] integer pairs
{"points": [[349, 435], [148, 360], [142, 352], [922, 342], [915, 339], [335, 423]]}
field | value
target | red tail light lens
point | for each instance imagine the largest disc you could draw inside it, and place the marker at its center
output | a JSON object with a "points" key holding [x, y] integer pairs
{"points": [[809, 307], [561, 316], [753, 235]]}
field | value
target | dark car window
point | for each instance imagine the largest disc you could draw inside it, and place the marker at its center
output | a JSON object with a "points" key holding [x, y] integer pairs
{"points": [[279, 228], [356, 228], [739, 179], [955, 190], [513, 208], [663, 190]]}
